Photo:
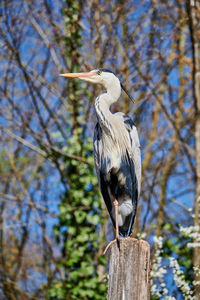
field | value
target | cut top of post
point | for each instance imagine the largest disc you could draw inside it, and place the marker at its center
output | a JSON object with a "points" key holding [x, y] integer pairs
{"points": [[129, 270]]}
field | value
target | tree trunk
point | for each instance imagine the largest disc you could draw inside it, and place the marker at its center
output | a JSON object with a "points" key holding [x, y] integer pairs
{"points": [[193, 8], [129, 270]]}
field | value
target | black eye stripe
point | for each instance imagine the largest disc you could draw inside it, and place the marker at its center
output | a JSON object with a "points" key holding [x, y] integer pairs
{"points": [[106, 70]]}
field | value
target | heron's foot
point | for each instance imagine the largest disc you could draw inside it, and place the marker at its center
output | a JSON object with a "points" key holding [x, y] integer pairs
{"points": [[117, 240], [115, 203], [108, 246]]}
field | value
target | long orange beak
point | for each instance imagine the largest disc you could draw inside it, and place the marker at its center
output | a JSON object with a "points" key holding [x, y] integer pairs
{"points": [[79, 75]]}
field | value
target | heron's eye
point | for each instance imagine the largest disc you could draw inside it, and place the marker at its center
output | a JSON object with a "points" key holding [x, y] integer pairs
{"points": [[99, 72]]}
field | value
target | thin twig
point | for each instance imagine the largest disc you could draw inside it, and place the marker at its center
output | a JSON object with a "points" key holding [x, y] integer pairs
{"points": [[46, 155], [38, 219]]}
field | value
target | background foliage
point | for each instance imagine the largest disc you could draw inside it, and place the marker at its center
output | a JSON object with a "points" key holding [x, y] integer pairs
{"points": [[53, 224]]}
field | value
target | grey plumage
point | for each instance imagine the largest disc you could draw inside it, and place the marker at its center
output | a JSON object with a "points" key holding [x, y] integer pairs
{"points": [[116, 152], [118, 165]]}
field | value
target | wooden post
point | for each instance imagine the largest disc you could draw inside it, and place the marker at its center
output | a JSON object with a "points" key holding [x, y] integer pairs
{"points": [[129, 270]]}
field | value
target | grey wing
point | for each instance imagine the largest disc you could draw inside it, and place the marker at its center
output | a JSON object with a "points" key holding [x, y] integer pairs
{"points": [[134, 157], [134, 153], [130, 168], [103, 185], [96, 140]]}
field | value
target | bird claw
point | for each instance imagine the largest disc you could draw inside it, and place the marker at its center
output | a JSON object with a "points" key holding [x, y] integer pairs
{"points": [[117, 240], [115, 203]]}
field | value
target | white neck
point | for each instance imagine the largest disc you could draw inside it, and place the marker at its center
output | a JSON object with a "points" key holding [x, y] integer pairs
{"points": [[113, 89], [103, 103]]}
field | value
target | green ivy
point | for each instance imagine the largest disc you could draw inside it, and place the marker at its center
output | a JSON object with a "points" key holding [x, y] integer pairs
{"points": [[77, 231]]}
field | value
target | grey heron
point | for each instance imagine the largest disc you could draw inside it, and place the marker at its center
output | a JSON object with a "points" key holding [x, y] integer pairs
{"points": [[116, 152]]}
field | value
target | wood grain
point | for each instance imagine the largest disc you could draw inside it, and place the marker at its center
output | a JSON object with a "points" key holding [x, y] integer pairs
{"points": [[129, 270]]}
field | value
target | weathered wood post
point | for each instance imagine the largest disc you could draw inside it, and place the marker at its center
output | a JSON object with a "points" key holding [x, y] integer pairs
{"points": [[129, 270]]}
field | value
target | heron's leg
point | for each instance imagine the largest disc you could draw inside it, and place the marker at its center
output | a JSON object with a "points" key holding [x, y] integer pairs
{"points": [[115, 203]]}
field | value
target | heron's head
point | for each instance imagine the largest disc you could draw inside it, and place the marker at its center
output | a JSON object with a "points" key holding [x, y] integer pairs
{"points": [[104, 77], [101, 76]]}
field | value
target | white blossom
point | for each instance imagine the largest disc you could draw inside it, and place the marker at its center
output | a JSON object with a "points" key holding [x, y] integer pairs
{"points": [[194, 233], [180, 280], [196, 270], [195, 282], [141, 235], [158, 271]]}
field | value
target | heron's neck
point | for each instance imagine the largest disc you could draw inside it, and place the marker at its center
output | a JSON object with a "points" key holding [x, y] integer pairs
{"points": [[113, 91], [102, 107]]}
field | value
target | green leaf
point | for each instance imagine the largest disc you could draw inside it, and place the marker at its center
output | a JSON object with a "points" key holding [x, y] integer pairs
{"points": [[80, 216], [93, 219]]}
